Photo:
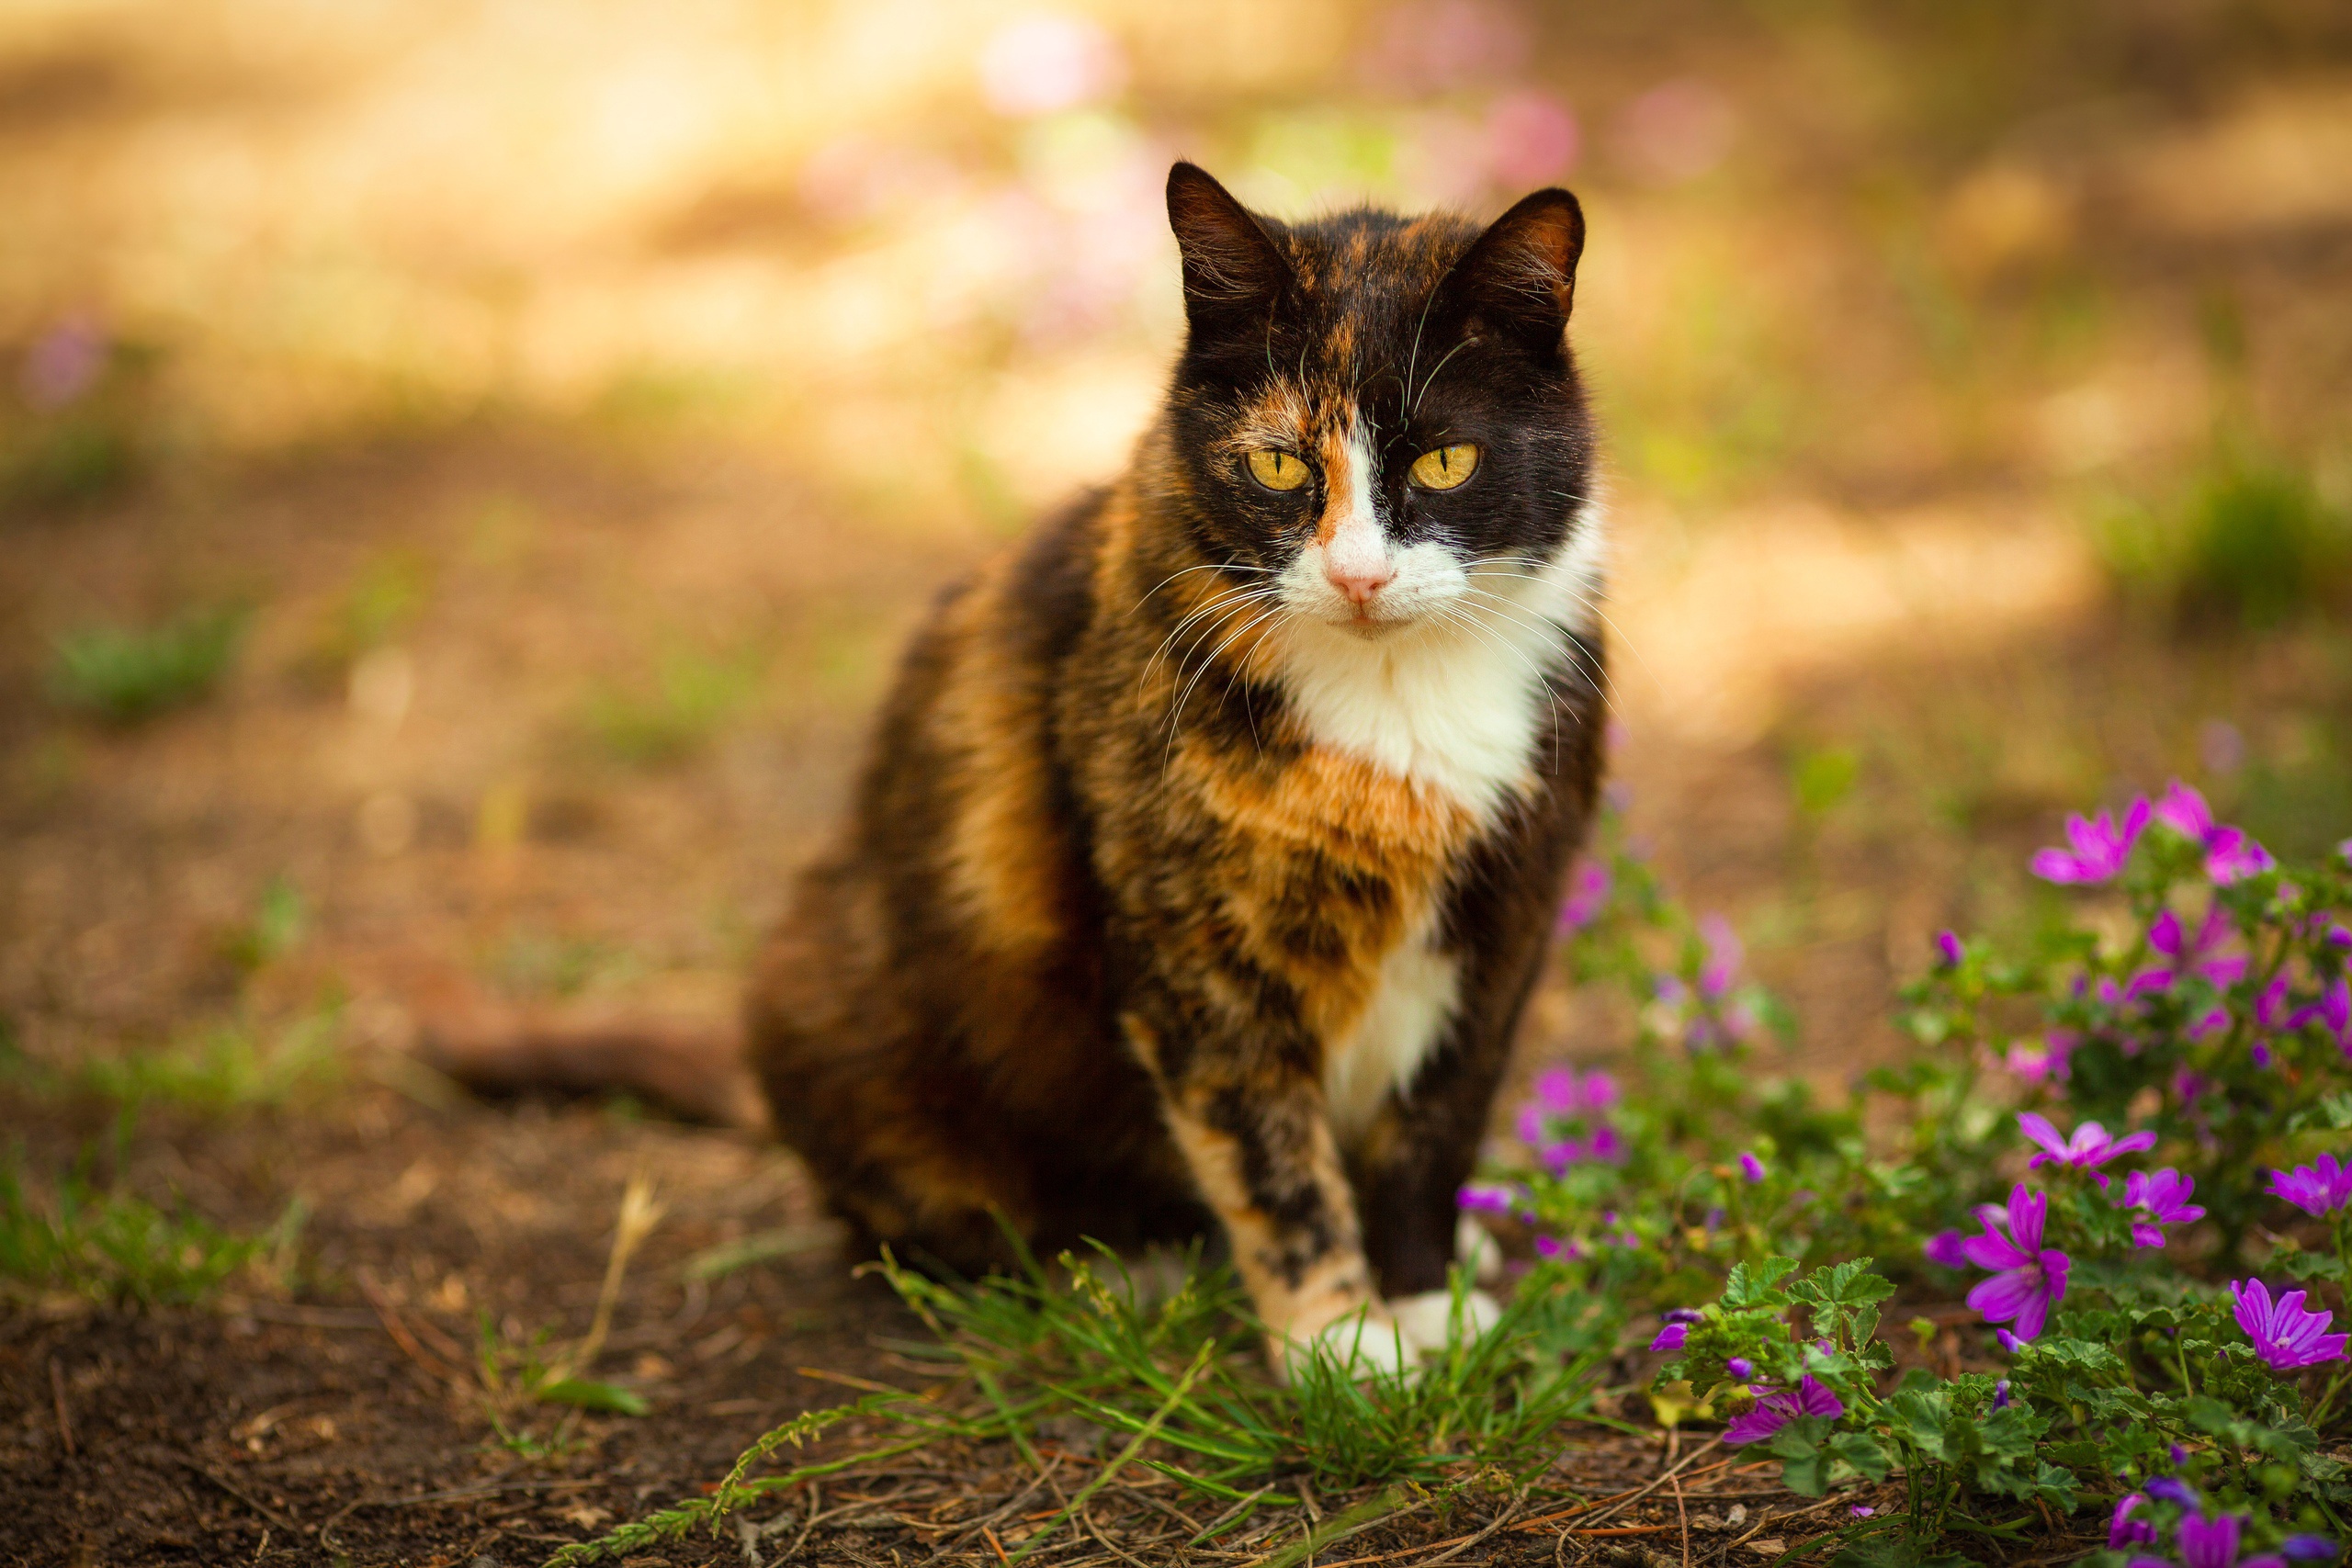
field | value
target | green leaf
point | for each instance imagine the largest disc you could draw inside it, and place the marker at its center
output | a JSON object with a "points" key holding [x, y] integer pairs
{"points": [[590, 1396], [1746, 1287], [1863, 1452], [1850, 1283], [1917, 1417]]}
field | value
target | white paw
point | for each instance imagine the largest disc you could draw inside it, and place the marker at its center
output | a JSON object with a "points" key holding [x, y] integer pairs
{"points": [[1366, 1344], [1428, 1322], [1479, 1252]]}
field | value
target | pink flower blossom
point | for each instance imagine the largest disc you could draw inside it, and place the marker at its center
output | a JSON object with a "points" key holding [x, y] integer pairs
{"points": [[2098, 847], [1721, 966], [1588, 896], [2285, 1335], [2031, 1278], [2318, 1189], [1949, 1248], [2089, 1148], [1775, 1410], [2164, 1195], [1490, 1198], [2123, 1530], [2230, 852], [2168, 937], [2145, 983]]}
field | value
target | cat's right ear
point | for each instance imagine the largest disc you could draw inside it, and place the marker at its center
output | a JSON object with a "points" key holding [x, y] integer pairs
{"points": [[1233, 270]]}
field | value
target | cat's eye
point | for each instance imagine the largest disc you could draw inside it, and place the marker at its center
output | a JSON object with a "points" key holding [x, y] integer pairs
{"points": [[1277, 471], [1443, 468]]}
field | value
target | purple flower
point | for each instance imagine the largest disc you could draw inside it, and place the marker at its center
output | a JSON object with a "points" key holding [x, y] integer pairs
{"points": [[1564, 1092], [63, 363], [1673, 1337], [1861, 1510], [2145, 983], [2098, 847], [2317, 1188], [1588, 894], [2213, 1543], [1547, 1246], [2164, 1195], [2089, 1148], [2230, 853], [2031, 1278], [2271, 1008], [2184, 811], [2169, 1489], [2122, 1530], [1721, 966], [1739, 1366], [2007, 1341], [1948, 945], [1489, 1197], [2036, 1065], [2285, 1335], [2001, 1395], [2333, 1009], [2307, 1548], [1949, 1248], [1751, 1168], [2209, 1022], [2199, 955], [1774, 1411]]}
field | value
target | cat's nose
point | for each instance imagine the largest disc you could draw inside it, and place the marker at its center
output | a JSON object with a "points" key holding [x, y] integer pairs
{"points": [[1358, 580]]}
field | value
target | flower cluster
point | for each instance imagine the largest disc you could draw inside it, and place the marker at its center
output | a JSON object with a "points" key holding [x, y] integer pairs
{"points": [[2160, 1275], [1568, 1121]]}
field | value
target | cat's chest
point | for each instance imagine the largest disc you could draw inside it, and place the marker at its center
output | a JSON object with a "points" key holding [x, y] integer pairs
{"points": [[1458, 716]]}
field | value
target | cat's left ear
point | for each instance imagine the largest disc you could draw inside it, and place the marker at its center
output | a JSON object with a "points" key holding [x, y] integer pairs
{"points": [[1522, 273]]}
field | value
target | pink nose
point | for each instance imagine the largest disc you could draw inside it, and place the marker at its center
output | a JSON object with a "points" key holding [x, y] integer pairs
{"points": [[1359, 583]]}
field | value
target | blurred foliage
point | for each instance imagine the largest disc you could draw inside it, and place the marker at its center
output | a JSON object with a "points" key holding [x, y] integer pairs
{"points": [[672, 712], [380, 602], [127, 674], [2248, 544], [276, 928], [215, 1070]]}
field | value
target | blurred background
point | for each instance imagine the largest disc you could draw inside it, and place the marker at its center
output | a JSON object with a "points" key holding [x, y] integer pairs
{"points": [[466, 467]]}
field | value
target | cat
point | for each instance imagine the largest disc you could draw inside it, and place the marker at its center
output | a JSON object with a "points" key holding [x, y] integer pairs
{"points": [[1210, 839]]}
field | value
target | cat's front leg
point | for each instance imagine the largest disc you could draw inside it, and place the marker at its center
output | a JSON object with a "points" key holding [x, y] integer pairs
{"points": [[1248, 1118]]}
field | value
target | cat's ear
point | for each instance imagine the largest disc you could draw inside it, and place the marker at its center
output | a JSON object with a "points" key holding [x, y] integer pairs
{"points": [[1522, 273], [1233, 270]]}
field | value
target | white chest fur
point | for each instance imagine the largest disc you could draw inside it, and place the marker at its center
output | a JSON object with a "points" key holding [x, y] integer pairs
{"points": [[1456, 698], [1417, 991], [1454, 702]]}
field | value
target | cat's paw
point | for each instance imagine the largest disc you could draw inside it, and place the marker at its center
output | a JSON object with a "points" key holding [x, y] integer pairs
{"points": [[1366, 1343], [1481, 1254], [1428, 1322]]}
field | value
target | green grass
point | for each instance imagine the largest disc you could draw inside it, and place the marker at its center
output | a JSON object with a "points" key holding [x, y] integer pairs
{"points": [[221, 1068], [2250, 543], [1185, 1371], [127, 674], [674, 713], [111, 1245], [274, 929]]}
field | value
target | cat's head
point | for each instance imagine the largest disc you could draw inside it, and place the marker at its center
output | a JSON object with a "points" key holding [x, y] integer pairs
{"points": [[1376, 417]]}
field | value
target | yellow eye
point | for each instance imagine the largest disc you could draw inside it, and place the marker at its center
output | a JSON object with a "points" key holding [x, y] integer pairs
{"points": [[1277, 471], [1445, 467]]}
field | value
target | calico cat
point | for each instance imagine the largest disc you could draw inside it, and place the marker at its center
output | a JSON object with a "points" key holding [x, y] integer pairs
{"points": [[1210, 839]]}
